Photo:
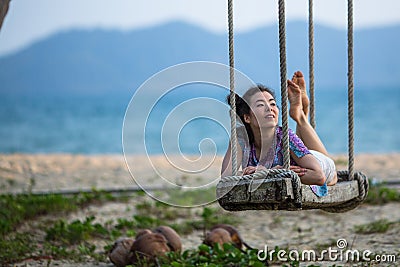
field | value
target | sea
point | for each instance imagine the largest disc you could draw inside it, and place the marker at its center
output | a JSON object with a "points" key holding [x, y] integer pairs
{"points": [[179, 122]]}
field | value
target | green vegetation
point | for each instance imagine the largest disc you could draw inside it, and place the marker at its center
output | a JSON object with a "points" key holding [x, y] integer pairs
{"points": [[55, 238], [15, 209], [75, 232], [380, 194], [187, 198], [16, 246], [379, 226], [18, 209], [75, 240], [217, 256]]}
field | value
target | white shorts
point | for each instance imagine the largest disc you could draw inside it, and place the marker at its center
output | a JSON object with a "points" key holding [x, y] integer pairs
{"points": [[327, 165]]}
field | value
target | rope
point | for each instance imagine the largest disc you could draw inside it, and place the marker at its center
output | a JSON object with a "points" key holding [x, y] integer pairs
{"points": [[311, 61], [350, 87], [276, 173], [232, 89], [284, 94]]}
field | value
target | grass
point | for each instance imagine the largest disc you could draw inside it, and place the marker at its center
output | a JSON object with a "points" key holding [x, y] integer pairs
{"points": [[208, 218], [15, 209], [75, 240], [16, 246], [228, 255], [190, 198], [379, 226], [203, 255], [18, 209], [76, 232], [181, 220], [380, 194]]}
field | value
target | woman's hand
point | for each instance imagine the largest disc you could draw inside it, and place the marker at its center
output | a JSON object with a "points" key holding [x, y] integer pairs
{"points": [[253, 169], [249, 170], [277, 167], [299, 170]]}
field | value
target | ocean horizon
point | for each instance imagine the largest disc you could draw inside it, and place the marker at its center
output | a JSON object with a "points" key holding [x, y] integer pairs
{"points": [[93, 124]]}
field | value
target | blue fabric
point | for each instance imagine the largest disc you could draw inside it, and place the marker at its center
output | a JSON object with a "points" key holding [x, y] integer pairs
{"points": [[320, 190]]}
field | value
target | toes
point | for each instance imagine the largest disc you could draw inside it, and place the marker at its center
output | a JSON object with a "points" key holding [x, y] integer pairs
{"points": [[298, 74], [292, 85]]}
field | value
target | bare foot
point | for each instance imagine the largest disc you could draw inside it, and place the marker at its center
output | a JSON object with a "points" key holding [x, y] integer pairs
{"points": [[298, 79], [296, 106]]}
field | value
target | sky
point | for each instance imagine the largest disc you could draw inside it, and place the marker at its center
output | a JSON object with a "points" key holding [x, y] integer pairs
{"points": [[29, 21]]}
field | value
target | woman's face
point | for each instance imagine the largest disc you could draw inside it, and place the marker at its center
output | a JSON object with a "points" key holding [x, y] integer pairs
{"points": [[264, 112]]}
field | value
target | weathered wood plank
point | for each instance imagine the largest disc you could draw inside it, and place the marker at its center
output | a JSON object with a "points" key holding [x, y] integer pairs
{"points": [[260, 190], [271, 194], [257, 194], [339, 193]]}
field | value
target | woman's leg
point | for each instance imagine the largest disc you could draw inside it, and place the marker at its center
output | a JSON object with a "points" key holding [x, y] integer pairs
{"points": [[299, 105]]}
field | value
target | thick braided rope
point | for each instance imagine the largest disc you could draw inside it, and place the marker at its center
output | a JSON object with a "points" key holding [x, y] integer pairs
{"points": [[275, 173], [350, 87], [232, 89], [284, 94], [311, 60]]}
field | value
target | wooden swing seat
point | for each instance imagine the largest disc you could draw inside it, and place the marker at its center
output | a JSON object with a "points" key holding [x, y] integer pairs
{"points": [[284, 191]]}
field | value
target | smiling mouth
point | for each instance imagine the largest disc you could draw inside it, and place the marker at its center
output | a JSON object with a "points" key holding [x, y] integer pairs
{"points": [[270, 117]]}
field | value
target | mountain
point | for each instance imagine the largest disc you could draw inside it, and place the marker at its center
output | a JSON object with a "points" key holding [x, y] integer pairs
{"points": [[110, 61]]}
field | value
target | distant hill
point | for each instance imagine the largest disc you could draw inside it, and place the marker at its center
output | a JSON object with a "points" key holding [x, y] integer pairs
{"points": [[104, 61]]}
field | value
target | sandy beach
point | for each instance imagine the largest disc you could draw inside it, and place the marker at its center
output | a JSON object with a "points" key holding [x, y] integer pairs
{"points": [[300, 229], [52, 172]]}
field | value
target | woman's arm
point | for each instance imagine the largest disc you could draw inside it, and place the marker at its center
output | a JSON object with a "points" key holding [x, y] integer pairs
{"points": [[311, 172], [226, 169]]}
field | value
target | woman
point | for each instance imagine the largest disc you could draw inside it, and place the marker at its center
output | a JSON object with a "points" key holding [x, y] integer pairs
{"points": [[259, 140]]}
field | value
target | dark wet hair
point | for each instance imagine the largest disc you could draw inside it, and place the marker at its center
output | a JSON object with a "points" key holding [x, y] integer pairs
{"points": [[242, 106]]}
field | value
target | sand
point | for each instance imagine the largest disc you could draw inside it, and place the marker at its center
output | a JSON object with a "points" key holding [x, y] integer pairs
{"points": [[296, 230], [52, 172]]}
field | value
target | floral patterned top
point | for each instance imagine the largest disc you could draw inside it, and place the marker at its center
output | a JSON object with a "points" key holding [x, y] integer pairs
{"points": [[276, 152], [295, 144]]}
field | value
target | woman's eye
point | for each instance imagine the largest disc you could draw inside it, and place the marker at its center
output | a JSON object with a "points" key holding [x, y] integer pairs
{"points": [[273, 104], [260, 105]]}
